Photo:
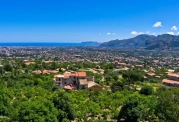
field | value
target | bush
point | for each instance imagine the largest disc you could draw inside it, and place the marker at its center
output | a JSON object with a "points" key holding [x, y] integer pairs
{"points": [[147, 90]]}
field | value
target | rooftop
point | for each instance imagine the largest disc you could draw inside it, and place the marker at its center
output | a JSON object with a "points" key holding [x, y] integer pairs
{"points": [[68, 87], [83, 81], [170, 81], [173, 75]]}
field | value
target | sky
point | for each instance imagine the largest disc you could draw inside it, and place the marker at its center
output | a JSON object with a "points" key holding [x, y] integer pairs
{"points": [[85, 20]]}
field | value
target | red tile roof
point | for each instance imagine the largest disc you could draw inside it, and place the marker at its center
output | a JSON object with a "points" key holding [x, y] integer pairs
{"points": [[80, 74], [170, 81], [122, 64], [45, 71], [29, 63], [73, 74], [151, 74], [173, 75], [67, 87], [66, 75], [53, 71], [77, 74]]}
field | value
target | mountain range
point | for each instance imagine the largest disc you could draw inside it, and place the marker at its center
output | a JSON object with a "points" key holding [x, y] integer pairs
{"points": [[150, 42], [90, 43]]}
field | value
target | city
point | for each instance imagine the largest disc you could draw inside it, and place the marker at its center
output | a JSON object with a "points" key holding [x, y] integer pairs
{"points": [[89, 61]]}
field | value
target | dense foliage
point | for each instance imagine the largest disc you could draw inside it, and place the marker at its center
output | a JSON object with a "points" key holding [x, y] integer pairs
{"points": [[29, 97]]}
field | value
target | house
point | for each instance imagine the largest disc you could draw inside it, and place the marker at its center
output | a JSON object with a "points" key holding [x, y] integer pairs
{"points": [[150, 74], [92, 86], [36, 72], [53, 71], [139, 66], [45, 72], [29, 63], [120, 64], [172, 80], [170, 70], [173, 76], [47, 62], [68, 87], [75, 80]]}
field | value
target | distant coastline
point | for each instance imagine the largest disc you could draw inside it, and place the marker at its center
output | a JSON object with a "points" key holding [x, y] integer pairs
{"points": [[58, 44]]}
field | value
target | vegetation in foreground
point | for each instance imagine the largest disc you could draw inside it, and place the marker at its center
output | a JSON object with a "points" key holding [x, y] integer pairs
{"points": [[29, 97]]}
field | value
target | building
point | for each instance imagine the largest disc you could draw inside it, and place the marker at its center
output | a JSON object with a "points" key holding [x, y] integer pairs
{"points": [[173, 76], [45, 72], [151, 74], [92, 86], [29, 63], [172, 80], [76, 80]]}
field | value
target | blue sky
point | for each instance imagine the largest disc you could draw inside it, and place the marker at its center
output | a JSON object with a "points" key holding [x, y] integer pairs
{"points": [[85, 20]]}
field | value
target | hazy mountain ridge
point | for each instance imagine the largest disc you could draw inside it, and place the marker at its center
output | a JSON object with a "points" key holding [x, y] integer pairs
{"points": [[90, 43], [138, 41], [164, 41]]}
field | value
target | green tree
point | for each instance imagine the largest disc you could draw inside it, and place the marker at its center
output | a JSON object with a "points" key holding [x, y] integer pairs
{"points": [[8, 67], [4, 102], [37, 111], [63, 104], [136, 108], [147, 90], [168, 105]]}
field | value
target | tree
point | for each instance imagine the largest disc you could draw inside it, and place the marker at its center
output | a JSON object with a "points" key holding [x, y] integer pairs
{"points": [[133, 76], [54, 65], [136, 108], [62, 103], [147, 90], [4, 102], [168, 105], [65, 120], [38, 110], [117, 86], [8, 67], [1, 70]]}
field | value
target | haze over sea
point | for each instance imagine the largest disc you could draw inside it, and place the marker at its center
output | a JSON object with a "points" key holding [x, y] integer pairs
{"points": [[40, 44]]}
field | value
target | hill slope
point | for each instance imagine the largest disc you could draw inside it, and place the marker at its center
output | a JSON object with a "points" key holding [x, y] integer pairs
{"points": [[164, 41], [138, 41]]}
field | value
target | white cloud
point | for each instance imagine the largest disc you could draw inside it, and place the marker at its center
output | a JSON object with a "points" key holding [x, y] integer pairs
{"points": [[114, 34], [108, 33], [178, 33], [147, 32], [157, 24], [171, 33], [134, 33], [174, 28], [140, 33], [137, 33]]}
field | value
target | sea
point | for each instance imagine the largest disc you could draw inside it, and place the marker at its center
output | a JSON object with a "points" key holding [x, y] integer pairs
{"points": [[33, 44]]}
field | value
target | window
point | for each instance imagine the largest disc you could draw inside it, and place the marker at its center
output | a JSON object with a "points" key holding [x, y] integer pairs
{"points": [[74, 82]]}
